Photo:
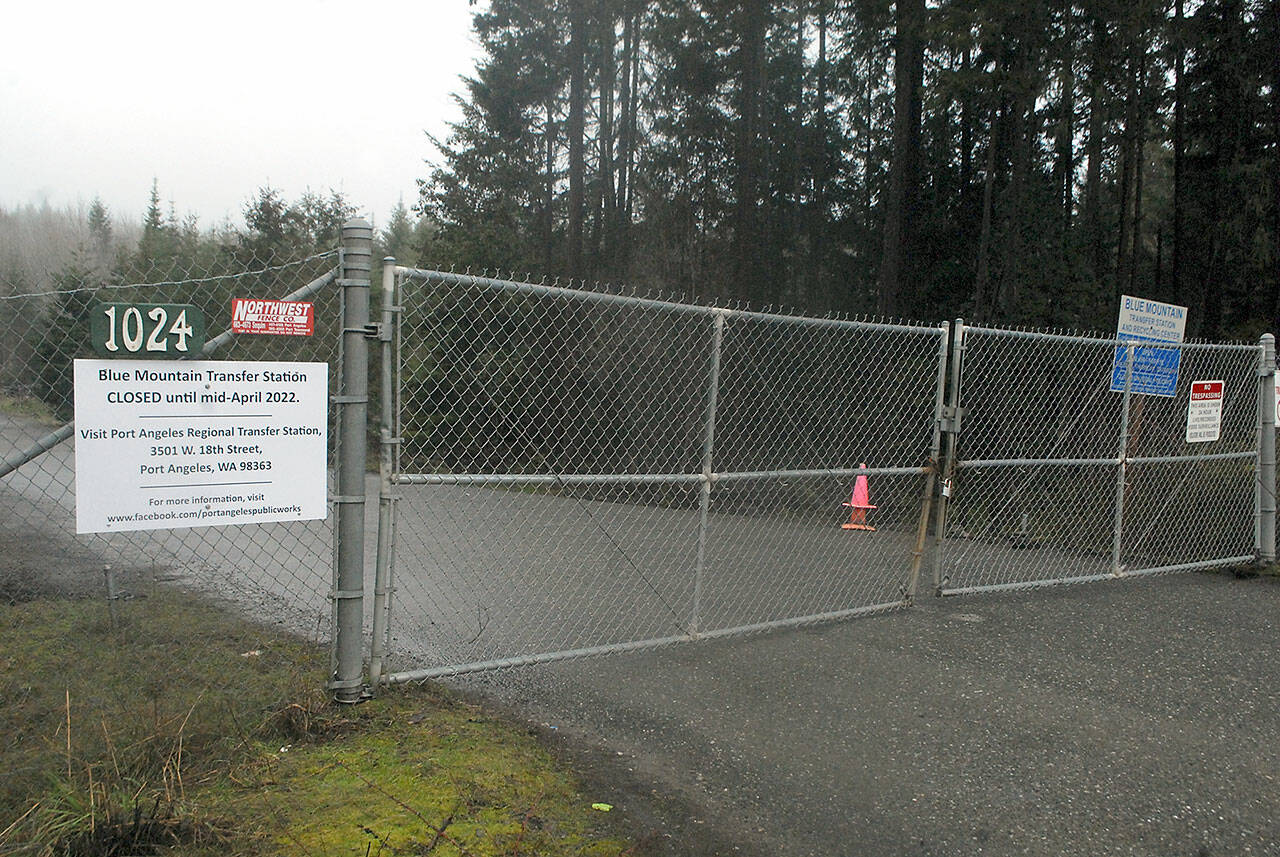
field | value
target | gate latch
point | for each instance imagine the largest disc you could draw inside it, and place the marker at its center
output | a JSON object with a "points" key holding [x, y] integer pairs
{"points": [[377, 330], [951, 418]]}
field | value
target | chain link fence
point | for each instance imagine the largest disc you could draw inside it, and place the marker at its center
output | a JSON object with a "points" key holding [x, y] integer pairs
{"points": [[1060, 477], [567, 472], [274, 572]]}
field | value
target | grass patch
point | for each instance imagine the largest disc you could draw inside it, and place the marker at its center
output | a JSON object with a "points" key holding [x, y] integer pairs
{"points": [[27, 407], [184, 730]]}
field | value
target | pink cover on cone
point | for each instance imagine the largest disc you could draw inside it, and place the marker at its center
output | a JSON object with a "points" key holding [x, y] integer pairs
{"points": [[861, 494], [858, 504], [861, 498]]}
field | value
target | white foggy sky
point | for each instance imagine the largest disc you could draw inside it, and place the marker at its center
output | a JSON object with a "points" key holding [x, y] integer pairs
{"points": [[218, 99]]}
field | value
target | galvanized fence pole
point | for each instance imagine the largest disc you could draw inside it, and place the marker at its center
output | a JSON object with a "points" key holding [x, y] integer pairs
{"points": [[347, 681], [935, 451], [1122, 465], [1265, 532], [384, 568], [708, 450], [951, 425]]}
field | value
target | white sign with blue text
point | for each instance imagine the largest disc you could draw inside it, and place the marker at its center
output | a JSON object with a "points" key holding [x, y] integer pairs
{"points": [[1155, 370], [199, 443]]}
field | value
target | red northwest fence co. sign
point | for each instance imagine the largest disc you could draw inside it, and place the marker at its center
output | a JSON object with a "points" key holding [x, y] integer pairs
{"points": [[284, 318]]}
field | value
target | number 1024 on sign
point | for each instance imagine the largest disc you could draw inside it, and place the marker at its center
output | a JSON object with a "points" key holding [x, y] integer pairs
{"points": [[147, 330]]}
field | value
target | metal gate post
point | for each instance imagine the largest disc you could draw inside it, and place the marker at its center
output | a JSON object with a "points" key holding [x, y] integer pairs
{"points": [[1122, 465], [347, 681], [951, 425], [1265, 496], [935, 452], [384, 570], [708, 449]]}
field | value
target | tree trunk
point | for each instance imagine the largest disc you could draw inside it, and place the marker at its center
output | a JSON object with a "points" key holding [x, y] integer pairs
{"points": [[631, 101], [747, 269], [1026, 131], [577, 165], [1066, 130], [1139, 165], [908, 71], [1093, 150], [608, 191], [1179, 149], [549, 191], [982, 276], [966, 125], [820, 300], [1275, 169], [799, 276], [1129, 169]]}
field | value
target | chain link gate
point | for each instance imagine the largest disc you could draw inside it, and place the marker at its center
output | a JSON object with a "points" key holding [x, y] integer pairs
{"points": [[581, 472], [567, 472], [1055, 478]]}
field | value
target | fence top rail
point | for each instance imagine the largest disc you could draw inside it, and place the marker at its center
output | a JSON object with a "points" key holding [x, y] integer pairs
{"points": [[650, 478], [451, 277], [211, 278], [1048, 336]]}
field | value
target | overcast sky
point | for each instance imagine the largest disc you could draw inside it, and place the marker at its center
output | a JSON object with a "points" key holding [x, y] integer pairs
{"points": [[215, 100]]}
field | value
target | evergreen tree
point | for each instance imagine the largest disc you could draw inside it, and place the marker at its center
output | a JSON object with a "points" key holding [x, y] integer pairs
{"points": [[155, 243], [277, 228], [399, 237], [497, 196], [100, 225], [99, 250]]}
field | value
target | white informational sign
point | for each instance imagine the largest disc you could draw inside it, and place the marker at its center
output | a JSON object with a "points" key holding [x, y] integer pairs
{"points": [[1155, 370], [199, 443], [1204, 411]]}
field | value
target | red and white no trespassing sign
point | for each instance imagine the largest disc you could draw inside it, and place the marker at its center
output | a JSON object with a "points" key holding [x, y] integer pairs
{"points": [[283, 318], [1204, 411]]}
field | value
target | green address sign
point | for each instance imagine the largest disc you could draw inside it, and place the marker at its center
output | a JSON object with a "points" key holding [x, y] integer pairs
{"points": [[147, 330]]}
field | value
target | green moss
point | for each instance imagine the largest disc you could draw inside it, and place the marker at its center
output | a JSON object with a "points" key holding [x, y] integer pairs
{"points": [[445, 777], [216, 730]]}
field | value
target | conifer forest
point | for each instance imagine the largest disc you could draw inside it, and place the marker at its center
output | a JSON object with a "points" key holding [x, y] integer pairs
{"points": [[1009, 161]]}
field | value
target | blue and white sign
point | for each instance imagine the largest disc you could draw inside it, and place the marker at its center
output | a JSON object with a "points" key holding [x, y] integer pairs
{"points": [[1155, 370]]}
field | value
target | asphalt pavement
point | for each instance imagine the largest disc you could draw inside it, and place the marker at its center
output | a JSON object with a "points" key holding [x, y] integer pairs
{"points": [[1132, 717]]}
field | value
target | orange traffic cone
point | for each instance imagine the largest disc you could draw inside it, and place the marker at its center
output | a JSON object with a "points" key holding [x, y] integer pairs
{"points": [[858, 504]]}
